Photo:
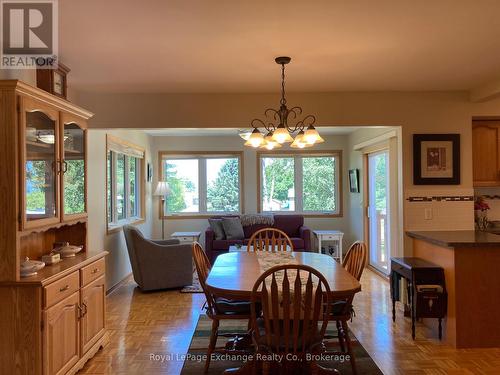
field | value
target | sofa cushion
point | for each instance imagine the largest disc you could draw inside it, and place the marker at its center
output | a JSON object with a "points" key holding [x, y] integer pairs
{"points": [[233, 228], [298, 243], [217, 227], [290, 224], [251, 229]]}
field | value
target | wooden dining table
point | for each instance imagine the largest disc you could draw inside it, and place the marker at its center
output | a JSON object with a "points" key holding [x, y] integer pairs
{"points": [[233, 275]]}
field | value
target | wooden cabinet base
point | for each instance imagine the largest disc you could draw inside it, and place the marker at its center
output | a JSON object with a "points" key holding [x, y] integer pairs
{"points": [[472, 280], [43, 334], [103, 341]]}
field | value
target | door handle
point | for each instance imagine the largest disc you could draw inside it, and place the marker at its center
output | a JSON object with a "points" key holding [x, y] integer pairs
{"points": [[80, 311], [84, 309], [65, 169]]}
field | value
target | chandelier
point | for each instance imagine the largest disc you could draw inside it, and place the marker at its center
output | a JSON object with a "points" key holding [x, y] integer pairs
{"points": [[277, 127]]}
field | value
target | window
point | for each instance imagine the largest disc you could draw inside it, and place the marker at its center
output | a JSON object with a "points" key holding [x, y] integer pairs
{"points": [[203, 183], [124, 183], [301, 182]]}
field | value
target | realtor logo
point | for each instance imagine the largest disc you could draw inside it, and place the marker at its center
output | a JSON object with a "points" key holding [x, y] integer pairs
{"points": [[29, 34]]}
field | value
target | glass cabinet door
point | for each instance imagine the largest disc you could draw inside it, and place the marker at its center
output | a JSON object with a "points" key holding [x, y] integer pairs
{"points": [[73, 166], [41, 165]]}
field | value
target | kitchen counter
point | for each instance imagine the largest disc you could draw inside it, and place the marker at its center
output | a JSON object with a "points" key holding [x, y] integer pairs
{"points": [[470, 260], [458, 239]]}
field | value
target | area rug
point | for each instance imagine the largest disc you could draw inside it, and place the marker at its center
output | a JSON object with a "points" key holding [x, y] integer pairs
{"points": [[195, 287], [195, 359]]}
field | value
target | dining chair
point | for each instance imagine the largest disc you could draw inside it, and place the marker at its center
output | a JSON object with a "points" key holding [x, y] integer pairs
{"points": [[294, 304], [218, 308], [356, 258], [342, 311], [269, 239]]}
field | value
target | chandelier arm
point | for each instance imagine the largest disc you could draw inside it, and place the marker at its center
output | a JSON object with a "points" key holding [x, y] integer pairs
{"points": [[297, 110], [298, 126], [309, 120], [271, 127], [258, 121], [275, 113]]}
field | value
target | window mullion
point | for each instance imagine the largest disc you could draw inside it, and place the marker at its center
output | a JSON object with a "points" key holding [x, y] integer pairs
{"points": [[126, 190], [298, 182], [114, 209], [202, 184]]}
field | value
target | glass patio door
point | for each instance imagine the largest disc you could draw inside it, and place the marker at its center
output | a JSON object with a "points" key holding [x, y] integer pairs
{"points": [[378, 210]]}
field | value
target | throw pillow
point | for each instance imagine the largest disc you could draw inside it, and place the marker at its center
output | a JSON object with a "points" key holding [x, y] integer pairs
{"points": [[233, 228], [216, 225]]}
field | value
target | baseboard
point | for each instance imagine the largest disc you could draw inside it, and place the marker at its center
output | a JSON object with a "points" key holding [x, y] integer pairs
{"points": [[377, 272], [119, 284]]}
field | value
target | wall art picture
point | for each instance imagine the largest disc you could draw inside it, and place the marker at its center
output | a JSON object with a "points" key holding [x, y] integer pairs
{"points": [[354, 180], [150, 172], [436, 159]]}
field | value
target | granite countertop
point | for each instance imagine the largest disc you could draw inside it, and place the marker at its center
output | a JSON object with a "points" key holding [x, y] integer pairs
{"points": [[459, 238]]}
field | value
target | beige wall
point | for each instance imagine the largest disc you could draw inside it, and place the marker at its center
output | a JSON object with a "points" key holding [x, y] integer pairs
{"points": [[117, 262], [235, 143], [421, 112]]}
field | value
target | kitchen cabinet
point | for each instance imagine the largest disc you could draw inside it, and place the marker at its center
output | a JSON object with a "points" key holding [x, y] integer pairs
{"points": [[486, 153], [61, 336]]}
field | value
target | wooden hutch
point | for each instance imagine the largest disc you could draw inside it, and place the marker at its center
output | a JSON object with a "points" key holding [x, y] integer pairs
{"points": [[54, 321]]}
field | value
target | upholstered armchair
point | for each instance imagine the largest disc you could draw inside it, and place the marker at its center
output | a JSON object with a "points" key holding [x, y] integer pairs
{"points": [[158, 264]]}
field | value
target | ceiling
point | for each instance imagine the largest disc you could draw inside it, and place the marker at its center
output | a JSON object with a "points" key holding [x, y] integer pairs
{"points": [[181, 132], [229, 46]]}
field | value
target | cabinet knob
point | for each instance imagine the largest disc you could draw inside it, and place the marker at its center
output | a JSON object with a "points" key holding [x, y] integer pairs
{"points": [[66, 287], [95, 270]]}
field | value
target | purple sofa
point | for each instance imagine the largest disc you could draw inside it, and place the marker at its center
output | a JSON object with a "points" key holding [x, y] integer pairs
{"points": [[292, 225]]}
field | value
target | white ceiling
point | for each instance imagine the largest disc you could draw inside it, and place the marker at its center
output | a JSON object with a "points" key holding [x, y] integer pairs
{"points": [[229, 46], [181, 132]]}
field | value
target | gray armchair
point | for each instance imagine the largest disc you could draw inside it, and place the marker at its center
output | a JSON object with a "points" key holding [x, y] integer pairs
{"points": [[158, 264]]}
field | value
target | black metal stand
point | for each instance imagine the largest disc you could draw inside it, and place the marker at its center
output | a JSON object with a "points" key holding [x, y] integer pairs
{"points": [[417, 271]]}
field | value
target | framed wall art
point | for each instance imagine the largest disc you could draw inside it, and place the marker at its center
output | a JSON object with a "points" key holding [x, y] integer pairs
{"points": [[354, 180], [436, 159]]}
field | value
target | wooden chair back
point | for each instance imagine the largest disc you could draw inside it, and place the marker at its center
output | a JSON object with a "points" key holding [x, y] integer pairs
{"points": [[356, 259], [203, 266], [269, 239], [295, 304]]}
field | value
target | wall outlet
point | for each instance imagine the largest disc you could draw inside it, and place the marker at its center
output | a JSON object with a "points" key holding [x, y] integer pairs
{"points": [[428, 214]]}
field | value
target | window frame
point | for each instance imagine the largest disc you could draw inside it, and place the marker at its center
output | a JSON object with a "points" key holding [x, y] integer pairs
{"points": [[115, 224], [202, 182], [298, 181]]}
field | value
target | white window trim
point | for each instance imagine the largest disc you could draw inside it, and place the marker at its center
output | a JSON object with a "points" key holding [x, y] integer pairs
{"points": [[138, 153], [202, 158], [298, 181]]}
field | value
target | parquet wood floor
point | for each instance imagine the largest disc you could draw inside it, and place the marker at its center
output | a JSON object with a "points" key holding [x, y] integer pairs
{"points": [[162, 323]]}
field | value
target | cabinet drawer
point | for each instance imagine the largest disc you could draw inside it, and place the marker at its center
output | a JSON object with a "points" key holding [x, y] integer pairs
{"points": [[61, 289], [92, 271], [330, 237], [185, 239]]}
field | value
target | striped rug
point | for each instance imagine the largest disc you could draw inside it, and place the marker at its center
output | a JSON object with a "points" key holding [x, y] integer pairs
{"points": [[195, 359]]}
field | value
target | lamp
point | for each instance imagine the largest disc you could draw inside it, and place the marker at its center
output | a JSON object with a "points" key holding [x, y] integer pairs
{"points": [[162, 190]]}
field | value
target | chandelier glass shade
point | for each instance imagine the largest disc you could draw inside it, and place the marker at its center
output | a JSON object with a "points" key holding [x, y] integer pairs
{"points": [[277, 124]]}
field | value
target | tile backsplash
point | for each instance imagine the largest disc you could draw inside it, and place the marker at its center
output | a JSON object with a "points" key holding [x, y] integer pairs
{"points": [[447, 209]]}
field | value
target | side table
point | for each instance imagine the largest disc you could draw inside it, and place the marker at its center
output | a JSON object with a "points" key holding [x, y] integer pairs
{"points": [[187, 236], [330, 235]]}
